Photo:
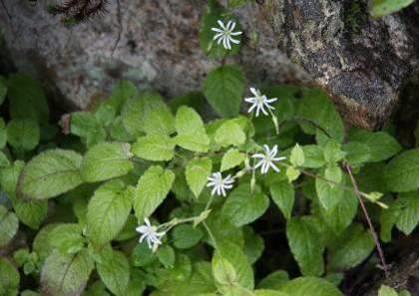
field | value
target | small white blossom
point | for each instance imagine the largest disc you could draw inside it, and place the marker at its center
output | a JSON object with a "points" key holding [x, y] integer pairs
{"points": [[259, 102], [268, 159], [150, 234], [220, 185], [225, 34]]}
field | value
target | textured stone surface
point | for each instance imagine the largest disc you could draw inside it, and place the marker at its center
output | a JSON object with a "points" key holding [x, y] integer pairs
{"points": [[363, 63], [159, 48]]}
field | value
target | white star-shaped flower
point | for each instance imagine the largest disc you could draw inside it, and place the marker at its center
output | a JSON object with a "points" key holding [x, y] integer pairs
{"points": [[220, 185], [268, 159], [225, 34], [260, 102], [150, 234]]}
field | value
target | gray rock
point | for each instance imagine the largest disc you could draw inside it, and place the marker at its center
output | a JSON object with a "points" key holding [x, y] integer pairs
{"points": [[361, 62]]}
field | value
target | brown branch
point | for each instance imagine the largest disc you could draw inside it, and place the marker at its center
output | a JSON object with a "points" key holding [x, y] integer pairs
{"points": [[367, 217]]}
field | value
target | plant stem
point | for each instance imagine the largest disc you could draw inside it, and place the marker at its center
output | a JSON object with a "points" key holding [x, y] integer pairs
{"points": [[367, 217]]}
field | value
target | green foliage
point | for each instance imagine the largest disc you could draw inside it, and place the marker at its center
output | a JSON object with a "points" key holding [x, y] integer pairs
{"points": [[168, 200], [382, 8]]}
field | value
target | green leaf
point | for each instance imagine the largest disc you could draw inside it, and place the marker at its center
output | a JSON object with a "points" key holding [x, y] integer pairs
{"points": [[166, 256], [152, 189], [31, 212], [114, 271], [66, 238], [231, 267], [142, 255], [253, 244], [105, 114], [269, 293], [274, 281], [342, 215], [381, 145], [86, 126], [304, 286], [387, 291], [305, 245], [223, 229], [333, 152], [243, 206], [186, 236], [402, 173], [121, 93], [382, 8], [106, 161], [388, 219], [191, 131], [10, 278], [224, 90], [230, 133], [355, 246], [118, 131], [154, 147], [357, 153], [317, 108], [283, 195], [197, 172], [8, 226], [66, 274], [313, 156], [108, 211], [297, 156], [23, 134], [408, 218], [237, 3], [330, 192], [147, 114], [27, 99], [49, 174], [231, 159]]}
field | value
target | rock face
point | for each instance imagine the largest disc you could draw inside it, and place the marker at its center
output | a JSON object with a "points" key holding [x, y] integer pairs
{"points": [[158, 48], [361, 62]]}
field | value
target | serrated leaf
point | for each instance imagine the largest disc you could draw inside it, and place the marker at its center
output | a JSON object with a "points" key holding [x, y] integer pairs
{"points": [[166, 256], [31, 212], [186, 236], [10, 278], [297, 157], [152, 189], [230, 133], [108, 211], [270, 293], [387, 291], [388, 219], [191, 131], [402, 173], [330, 192], [231, 159], [306, 246], [86, 126], [23, 134], [147, 114], [224, 88], [283, 195], [382, 8], [312, 286], [8, 226], [244, 206], [27, 99], [49, 174], [408, 217], [231, 267], [332, 151], [356, 153], [121, 93], [66, 275], [317, 108], [381, 145], [114, 271], [197, 172], [275, 280], [253, 244], [154, 147], [142, 255], [106, 161], [313, 156], [66, 238], [353, 248], [3, 133], [341, 216]]}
